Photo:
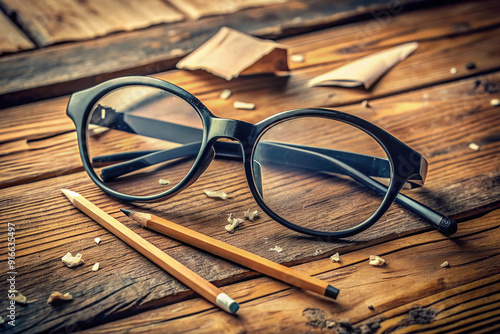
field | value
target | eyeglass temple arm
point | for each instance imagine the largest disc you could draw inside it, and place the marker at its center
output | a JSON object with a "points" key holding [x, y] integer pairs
{"points": [[189, 135], [442, 223], [366, 164], [176, 132]]}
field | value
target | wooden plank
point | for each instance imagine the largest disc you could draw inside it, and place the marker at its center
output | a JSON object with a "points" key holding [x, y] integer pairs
{"points": [[68, 68], [12, 39], [65, 20], [458, 297], [196, 9], [431, 60], [445, 146], [48, 227]]}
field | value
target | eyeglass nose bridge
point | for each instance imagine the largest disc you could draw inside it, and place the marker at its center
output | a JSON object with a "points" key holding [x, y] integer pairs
{"points": [[240, 131]]}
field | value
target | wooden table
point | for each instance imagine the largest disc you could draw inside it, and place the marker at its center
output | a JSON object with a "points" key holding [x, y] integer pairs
{"points": [[434, 110]]}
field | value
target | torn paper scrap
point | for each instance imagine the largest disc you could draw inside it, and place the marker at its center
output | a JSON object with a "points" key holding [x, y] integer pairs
{"points": [[230, 53], [367, 70]]}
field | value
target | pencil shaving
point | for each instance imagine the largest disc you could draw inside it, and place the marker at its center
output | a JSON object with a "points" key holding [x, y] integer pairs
{"points": [[244, 105], [251, 215], [95, 267], [335, 257], [276, 249], [474, 146], [445, 264], [297, 58], [56, 296], [225, 94], [19, 298], [376, 260], [72, 261], [233, 223], [163, 182], [216, 194]]}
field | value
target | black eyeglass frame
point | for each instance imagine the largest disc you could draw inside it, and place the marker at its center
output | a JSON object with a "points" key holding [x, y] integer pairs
{"points": [[405, 163]]}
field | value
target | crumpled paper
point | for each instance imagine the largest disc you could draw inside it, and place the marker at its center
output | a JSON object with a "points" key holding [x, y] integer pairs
{"points": [[367, 70], [231, 53]]}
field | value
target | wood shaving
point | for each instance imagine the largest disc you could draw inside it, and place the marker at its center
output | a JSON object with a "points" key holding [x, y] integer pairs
{"points": [[445, 264], [72, 261], [297, 58], [19, 298], [453, 70], [225, 94], [216, 194], [57, 296], [95, 267], [474, 146], [95, 129], [163, 182], [97, 241], [277, 249], [376, 260], [233, 223], [244, 105], [365, 104], [335, 257], [251, 215], [495, 102]]}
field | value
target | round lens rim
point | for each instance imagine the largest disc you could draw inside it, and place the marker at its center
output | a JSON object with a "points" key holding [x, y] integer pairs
{"points": [[91, 96], [380, 136]]}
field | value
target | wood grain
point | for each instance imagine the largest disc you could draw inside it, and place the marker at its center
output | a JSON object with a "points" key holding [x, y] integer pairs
{"points": [[68, 68], [12, 39], [64, 20], [436, 112], [458, 298], [47, 234], [196, 9]]}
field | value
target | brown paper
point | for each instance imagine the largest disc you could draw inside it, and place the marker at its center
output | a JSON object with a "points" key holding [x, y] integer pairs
{"points": [[367, 70], [230, 53]]}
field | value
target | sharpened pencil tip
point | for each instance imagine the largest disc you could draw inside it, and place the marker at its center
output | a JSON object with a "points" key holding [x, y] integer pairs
{"points": [[127, 212], [69, 194]]}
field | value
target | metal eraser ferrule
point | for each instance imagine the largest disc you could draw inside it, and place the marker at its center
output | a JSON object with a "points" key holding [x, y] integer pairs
{"points": [[227, 303]]}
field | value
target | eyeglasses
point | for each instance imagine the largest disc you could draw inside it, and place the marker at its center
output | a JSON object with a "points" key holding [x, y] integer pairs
{"points": [[317, 171]]}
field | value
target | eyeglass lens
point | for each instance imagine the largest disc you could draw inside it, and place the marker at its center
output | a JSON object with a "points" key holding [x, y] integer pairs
{"points": [[143, 140], [308, 168]]}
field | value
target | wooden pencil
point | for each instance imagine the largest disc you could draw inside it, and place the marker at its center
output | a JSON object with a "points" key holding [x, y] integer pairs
{"points": [[234, 254], [179, 271]]}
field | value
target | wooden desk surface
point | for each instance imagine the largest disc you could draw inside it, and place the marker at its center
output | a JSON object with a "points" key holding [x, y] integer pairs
{"points": [[420, 101]]}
